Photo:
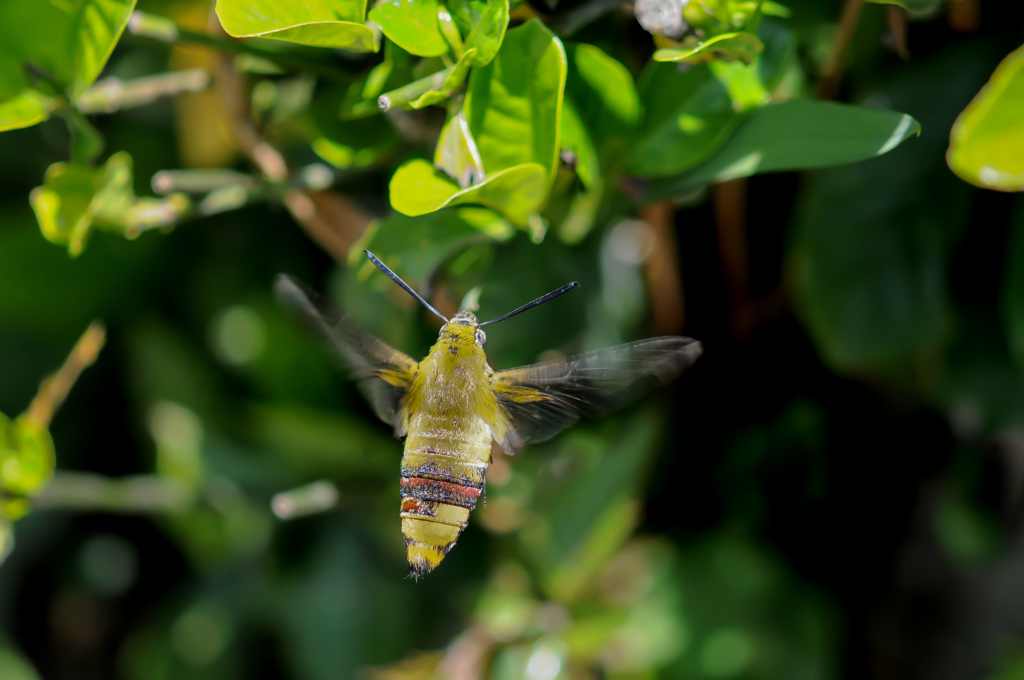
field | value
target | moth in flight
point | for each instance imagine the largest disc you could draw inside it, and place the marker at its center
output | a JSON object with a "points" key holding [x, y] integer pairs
{"points": [[451, 405]]}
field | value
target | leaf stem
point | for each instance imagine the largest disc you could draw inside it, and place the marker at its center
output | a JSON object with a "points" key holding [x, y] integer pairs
{"points": [[111, 94], [835, 62], [729, 203], [662, 270], [132, 494], [54, 389]]}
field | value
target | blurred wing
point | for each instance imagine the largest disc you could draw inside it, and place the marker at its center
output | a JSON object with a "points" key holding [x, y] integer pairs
{"points": [[384, 373], [541, 400]]}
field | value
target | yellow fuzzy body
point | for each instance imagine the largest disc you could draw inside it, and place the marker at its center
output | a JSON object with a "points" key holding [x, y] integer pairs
{"points": [[452, 415]]}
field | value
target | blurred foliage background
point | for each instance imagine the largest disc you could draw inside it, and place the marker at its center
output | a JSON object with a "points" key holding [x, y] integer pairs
{"points": [[833, 491]]}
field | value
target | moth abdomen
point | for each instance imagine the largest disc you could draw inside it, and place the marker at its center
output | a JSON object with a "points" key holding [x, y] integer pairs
{"points": [[440, 491]]}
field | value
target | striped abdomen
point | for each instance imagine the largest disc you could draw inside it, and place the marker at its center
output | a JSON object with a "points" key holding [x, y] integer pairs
{"points": [[443, 473]]}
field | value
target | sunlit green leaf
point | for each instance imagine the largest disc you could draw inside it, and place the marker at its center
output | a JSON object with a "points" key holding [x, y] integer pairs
{"points": [[74, 198], [73, 195], [319, 23], [62, 205], [729, 47], [66, 42], [690, 113], [514, 103], [417, 188], [602, 94], [987, 142], [483, 22], [412, 24], [27, 457], [431, 89], [456, 152]]}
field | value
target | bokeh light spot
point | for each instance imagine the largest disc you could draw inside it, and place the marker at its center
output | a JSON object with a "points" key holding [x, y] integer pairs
{"points": [[108, 564], [726, 652], [238, 336], [201, 634]]}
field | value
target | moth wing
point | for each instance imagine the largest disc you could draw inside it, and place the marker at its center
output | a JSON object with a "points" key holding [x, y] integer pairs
{"points": [[384, 374], [541, 400]]}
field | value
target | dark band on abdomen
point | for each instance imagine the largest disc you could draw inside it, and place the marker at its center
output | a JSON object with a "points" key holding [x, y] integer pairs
{"points": [[439, 491]]}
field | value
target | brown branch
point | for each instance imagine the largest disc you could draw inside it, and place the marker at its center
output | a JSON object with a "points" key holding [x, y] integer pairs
{"points": [[896, 20], [330, 220], [662, 272], [835, 62], [729, 203], [964, 15]]}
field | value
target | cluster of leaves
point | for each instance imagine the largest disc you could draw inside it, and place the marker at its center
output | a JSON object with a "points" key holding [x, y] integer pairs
{"points": [[519, 104]]}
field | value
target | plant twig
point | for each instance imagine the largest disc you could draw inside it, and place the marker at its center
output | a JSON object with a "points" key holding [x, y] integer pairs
{"points": [[306, 500], [964, 15], [835, 62], [328, 218], [54, 389], [111, 94], [133, 494], [896, 20], [729, 203], [664, 282]]}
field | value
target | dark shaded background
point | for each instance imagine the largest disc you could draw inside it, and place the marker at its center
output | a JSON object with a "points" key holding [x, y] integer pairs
{"points": [[833, 491]]}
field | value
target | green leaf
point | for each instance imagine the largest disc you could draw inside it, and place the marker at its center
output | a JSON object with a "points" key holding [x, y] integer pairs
{"points": [[75, 197], [513, 104], [484, 23], [910, 5], [576, 139], [431, 89], [67, 41], [411, 25], [517, 192], [688, 114], [728, 47], [319, 23], [417, 246], [357, 143], [362, 97], [871, 250], [63, 205], [794, 135], [602, 94], [590, 514], [987, 142], [27, 457], [456, 152]]}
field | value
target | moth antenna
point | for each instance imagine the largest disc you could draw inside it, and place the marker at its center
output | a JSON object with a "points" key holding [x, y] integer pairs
{"points": [[405, 286], [529, 305]]}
